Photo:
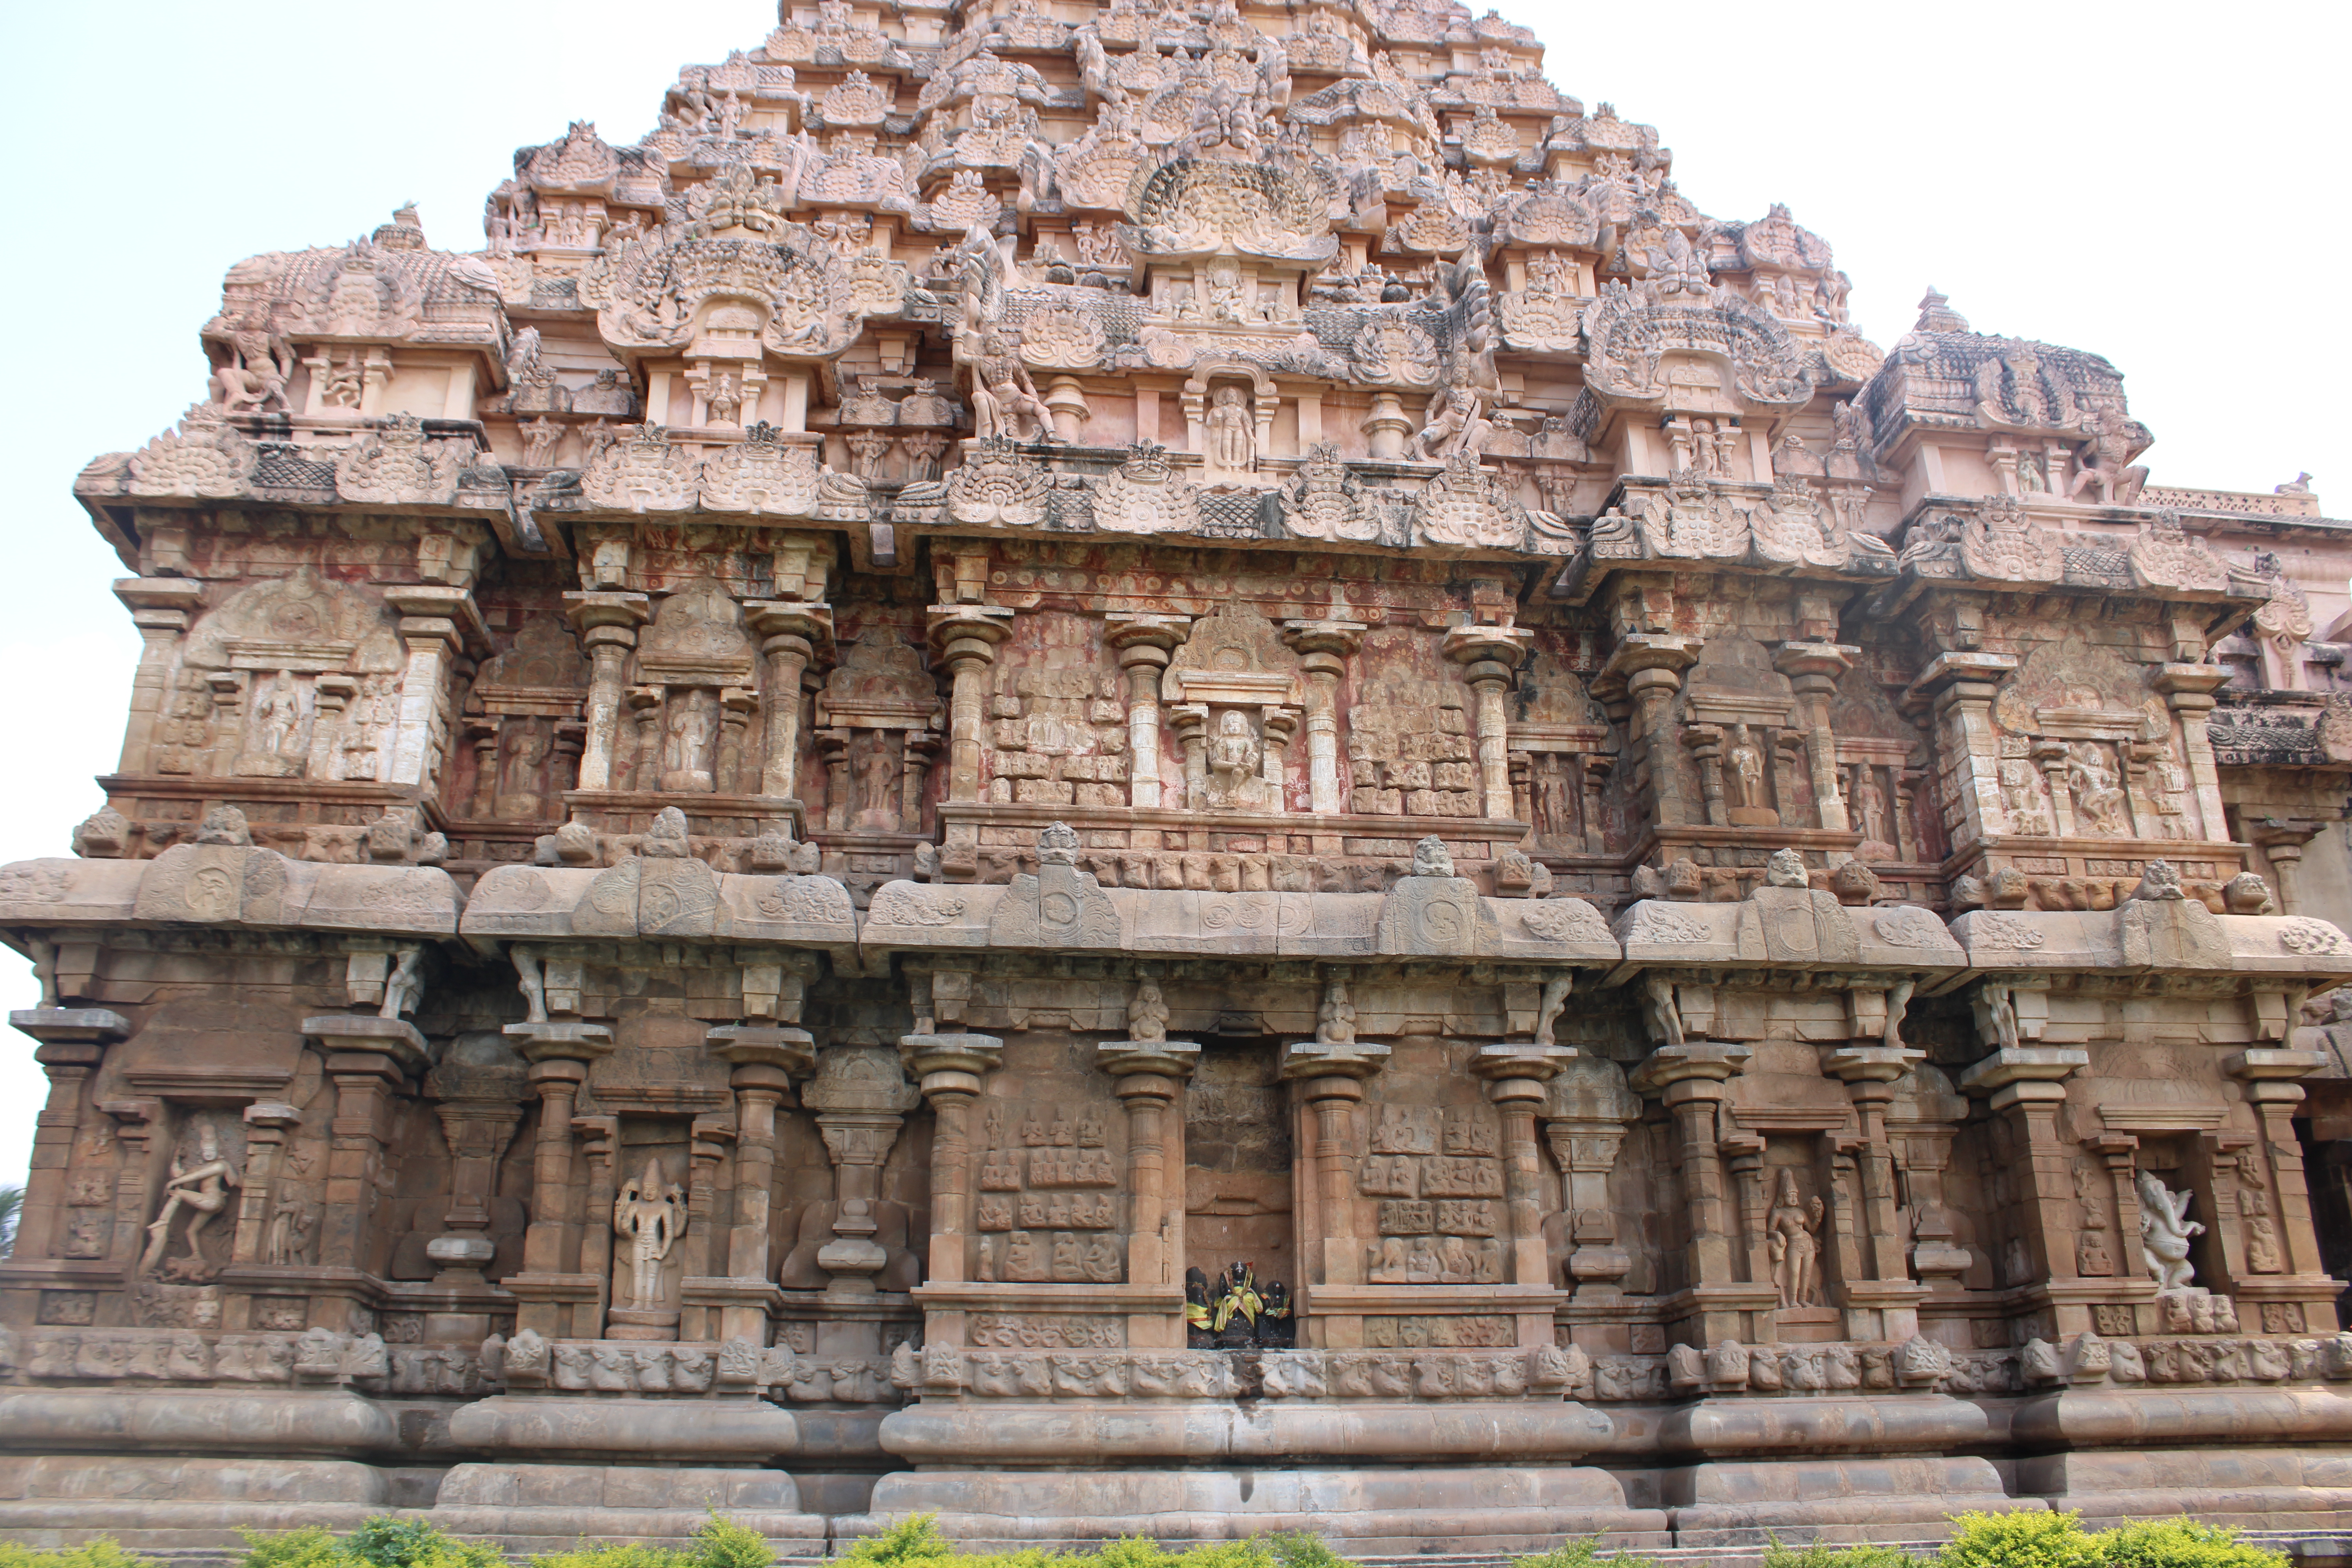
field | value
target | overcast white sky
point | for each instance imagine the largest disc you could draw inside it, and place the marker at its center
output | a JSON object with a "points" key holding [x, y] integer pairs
{"points": [[2160, 183]]}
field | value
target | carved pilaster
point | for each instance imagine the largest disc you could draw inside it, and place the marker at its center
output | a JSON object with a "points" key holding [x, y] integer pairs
{"points": [[1323, 648], [607, 623], [1151, 1075], [1489, 655]]}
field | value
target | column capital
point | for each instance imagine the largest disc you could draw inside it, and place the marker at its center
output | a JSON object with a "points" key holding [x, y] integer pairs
{"points": [[1503, 646], [2260, 1065], [1693, 1063], [2016, 1073], [982, 625], [1326, 1059], [364, 1032], [1160, 1059], [2189, 685], [804, 618], [1338, 638], [1871, 1064], [951, 1063], [1947, 669], [1821, 661], [561, 1040], [592, 608], [789, 1051], [1138, 630], [1640, 651], [70, 1025]]}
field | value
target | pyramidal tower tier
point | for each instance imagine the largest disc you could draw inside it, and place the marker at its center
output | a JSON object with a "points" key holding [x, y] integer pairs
{"points": [[1176, 769]]}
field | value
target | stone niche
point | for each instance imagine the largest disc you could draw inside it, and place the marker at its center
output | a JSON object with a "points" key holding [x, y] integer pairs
{"points": [[1239, 1196]]}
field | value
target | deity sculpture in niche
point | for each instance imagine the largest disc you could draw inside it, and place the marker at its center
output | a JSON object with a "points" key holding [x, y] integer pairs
{"points": [[201, 1192], [648, 1216], [1231, 433], [1793, 1230], [1234, 691], [2164, 1232]]}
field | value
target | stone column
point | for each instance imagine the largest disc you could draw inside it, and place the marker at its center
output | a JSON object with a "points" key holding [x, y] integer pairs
{"points": [[1907, 830], [265, 1126], [765, 1060], [1489, 655], [1963, 686], [1743, 1156], [607, 623], [1515, 1074], [598, 1138], [1323, 648], [860, 1104], [948, 1069], [1870, 1073], [1586, 1152], [436, 623], [1705, 744], [2188, 690], [834, 745], [1650, 666], [367, 1058], [1190, 723], [2051, 757], [706, 1149], [1330, 1079], [559, 1052], [1144, 642], [158, 607], [1151, 1075], [1813, 668], [2283, 841], [1689, 1079], [967, 636], [73, 1041], [2269, 1075], [2027, 1084], [793, 635]]}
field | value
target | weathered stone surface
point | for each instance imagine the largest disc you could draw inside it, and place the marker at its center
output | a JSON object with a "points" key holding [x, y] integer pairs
{"points": [[1101, 771]]}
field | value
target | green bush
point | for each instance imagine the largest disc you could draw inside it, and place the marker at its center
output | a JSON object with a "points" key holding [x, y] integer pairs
{"points": [[103, 1552], [1301, 1549], [1862, 1554], [1581, 1553], [382, 1541], [2180, 1543], [2031, 1539], [914, 1538]]}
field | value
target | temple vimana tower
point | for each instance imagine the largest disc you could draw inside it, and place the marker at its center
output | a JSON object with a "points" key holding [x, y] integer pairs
{"points": [[1174, 768]]}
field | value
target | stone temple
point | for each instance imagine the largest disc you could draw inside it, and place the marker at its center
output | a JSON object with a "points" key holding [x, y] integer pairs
{"points": [[1175, 769]]}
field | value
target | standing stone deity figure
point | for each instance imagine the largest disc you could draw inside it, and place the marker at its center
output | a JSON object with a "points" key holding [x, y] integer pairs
{"points": [[1794, 1228], [877, 781], [276, 711], [1870, 803], [201, 1190], [287, 1240], [2164, 1229], [1743, 772], [650, 1216], [1233, 434]]}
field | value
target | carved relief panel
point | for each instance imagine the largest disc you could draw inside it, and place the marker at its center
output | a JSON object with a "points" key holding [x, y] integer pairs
{"points": [[1429, 1206], [1050, 1158], [1410, 744], [1057, 729]]}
